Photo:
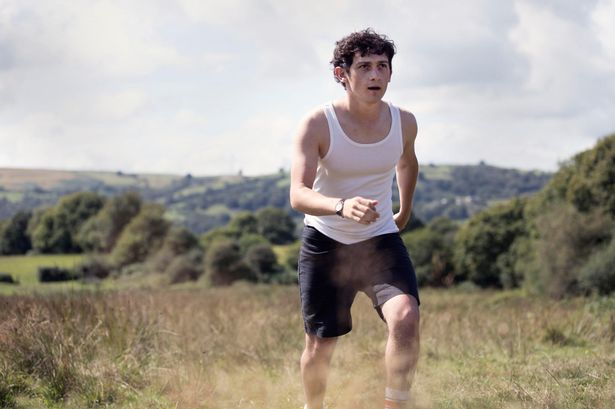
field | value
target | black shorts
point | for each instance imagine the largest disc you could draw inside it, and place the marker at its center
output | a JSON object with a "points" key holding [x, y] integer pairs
{"points": [[331, 274]]}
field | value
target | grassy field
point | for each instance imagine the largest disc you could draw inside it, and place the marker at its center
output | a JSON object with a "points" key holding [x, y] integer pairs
{"points": [[238, 347], [25, 270]]}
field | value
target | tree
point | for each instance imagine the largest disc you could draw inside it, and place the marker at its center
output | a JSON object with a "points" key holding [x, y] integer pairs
{"points": [[243, 223], [14, 238], [485, 238], [142, 237], [263, 261], [100, 233], [58, 226], [431, 250], [276, 225], [566, 240], [587, 181], [224, 264]]}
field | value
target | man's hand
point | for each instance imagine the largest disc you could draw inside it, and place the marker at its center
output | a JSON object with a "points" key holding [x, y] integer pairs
{"points": [[361, 210], [401, 220]]}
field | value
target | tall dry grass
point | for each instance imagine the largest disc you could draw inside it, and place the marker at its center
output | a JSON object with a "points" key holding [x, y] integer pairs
{"points": [[239, 348]]}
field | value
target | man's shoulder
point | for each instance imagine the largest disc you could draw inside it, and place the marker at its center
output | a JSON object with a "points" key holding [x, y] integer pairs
{"points": [[408, 122], [315, 120], [406, 115]]}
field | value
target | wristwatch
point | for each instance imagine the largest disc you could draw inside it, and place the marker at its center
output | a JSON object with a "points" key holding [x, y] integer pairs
{"points": [[339, 208]]}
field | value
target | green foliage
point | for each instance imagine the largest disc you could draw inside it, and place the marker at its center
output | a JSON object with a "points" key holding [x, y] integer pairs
{"points": [[431, 250], [14, 238], [53, 274], [598, 274], [276, 225], [291, 257], [249, 240], [243, 223], [587, 181], [178, 242], [57, 228], [94, 267], [485, 239], [263, 261], [225, 265], [566, 240], [100, 233], [142, 237], [185, 267]]}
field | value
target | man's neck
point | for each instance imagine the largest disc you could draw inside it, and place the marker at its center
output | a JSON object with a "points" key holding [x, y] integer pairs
{"points": [[362, 111]]}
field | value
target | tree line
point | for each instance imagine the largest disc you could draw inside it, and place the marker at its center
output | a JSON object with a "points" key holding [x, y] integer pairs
{"points": [[561, 241], [124, 234]]}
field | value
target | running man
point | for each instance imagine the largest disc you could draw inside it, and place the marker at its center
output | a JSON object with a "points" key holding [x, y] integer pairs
{"points": [[345, 157]]}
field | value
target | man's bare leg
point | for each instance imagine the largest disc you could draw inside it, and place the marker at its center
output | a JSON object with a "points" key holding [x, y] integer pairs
{"points": [[315, 362], [402, 351]]}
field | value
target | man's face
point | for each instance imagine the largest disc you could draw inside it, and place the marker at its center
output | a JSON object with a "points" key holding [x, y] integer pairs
{"points": [[368, 75]]}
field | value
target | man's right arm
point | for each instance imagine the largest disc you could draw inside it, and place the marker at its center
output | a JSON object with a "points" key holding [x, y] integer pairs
{"points": [[308, 145], [312, 142]]}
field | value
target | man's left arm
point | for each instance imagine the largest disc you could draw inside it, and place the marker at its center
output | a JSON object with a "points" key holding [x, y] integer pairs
{"points": [[407, 170]]}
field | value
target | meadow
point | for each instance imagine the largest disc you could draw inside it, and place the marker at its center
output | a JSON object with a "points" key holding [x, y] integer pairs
{"points": [[189, 346]]}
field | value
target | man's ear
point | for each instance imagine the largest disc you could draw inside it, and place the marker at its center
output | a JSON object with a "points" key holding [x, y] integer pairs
{"points": [[340, 74]]}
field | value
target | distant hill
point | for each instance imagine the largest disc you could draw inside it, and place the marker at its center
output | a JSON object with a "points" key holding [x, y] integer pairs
{"points": [[202, 203]]}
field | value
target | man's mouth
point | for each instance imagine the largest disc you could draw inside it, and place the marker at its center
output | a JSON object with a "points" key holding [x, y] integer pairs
{"points": [[374, 88]]}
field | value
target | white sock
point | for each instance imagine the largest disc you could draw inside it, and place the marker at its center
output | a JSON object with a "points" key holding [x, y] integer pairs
{"points": [[395, 399]]}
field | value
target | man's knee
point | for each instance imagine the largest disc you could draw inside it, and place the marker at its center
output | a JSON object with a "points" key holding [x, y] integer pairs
{"points": [[404, 318], [318, 348]]}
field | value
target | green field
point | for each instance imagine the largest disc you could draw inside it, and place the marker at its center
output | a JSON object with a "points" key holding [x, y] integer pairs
{"points": [[238, 347], [25, 270]]}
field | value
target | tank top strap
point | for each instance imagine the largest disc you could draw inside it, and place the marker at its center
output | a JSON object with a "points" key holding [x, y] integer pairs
{"points": [[396, 123]]}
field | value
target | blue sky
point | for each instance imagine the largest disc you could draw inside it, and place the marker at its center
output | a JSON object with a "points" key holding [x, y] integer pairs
{"points": [[207, 88]]}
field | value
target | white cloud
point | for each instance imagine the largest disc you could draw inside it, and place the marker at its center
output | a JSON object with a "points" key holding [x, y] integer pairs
{"points": [[212, 87]]}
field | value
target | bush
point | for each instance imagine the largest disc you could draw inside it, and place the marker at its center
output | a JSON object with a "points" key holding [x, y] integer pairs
{"points": [[142, 237], [14, 238], [566, 240], [263, 261], [7, 279], [94, 267], [485, 238], [276, 225], [224, 264], [291, 260], [598, 274], [54, 274], [186, 267], [179, 241]]}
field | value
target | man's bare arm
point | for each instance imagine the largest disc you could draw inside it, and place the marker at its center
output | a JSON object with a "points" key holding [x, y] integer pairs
{"points": [[310, 144], [407, 170]]}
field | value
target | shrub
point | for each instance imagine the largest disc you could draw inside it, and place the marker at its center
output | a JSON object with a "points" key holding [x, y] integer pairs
{"points": [[598, 274], [566, 239], [53, 274], [249, 240], [94, 267], [486, 237], [143, 236], [276, 225], [291, 260], [263, 261], [7, 278], [224, 264], [14, 238], [186, 267]]}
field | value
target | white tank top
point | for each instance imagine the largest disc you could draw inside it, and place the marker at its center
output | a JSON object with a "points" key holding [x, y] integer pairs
{"points": [[352, 169]]}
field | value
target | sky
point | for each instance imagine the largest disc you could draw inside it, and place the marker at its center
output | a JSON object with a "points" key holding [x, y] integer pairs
{"points": [[218, 87]]}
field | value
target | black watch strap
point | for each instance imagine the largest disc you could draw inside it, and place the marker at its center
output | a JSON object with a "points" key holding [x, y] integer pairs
{"points": [[339, 208]]}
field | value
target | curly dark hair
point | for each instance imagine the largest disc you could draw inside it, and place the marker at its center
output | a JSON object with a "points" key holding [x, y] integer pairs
{"points": [[364, 42]]}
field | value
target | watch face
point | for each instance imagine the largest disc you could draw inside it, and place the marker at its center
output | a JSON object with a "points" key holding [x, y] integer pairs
{"points": [[339, 206]]}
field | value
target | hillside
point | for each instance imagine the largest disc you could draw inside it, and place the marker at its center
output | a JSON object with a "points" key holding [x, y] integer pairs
{"points": [[202, 203]]}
